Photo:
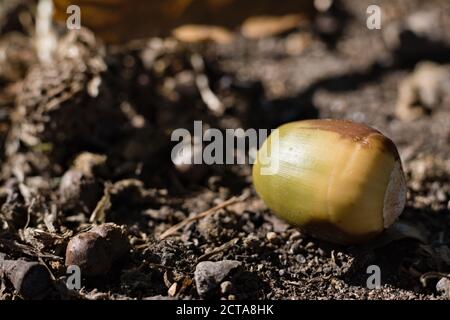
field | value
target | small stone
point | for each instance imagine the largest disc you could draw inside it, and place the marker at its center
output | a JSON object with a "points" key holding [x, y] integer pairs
{"points": [[440, 195], [443, 286], [421, 90], [208, 275], [300, 258], [271, 236], [172, 290], [323, 5], [226, 287], [297, 43]]}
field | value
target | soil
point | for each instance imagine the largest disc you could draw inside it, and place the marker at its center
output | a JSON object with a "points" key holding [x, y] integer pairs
{"points": [[86, 139]]}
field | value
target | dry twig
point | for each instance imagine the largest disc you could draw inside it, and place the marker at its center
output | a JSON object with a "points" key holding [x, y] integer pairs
{"points": [[223, 248], [201, 215]]}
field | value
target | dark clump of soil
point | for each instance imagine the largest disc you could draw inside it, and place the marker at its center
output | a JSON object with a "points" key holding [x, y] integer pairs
{"points": [[86, 140]]}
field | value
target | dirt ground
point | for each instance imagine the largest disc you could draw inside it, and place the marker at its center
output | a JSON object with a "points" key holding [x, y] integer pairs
{"points": [[117, 106]]}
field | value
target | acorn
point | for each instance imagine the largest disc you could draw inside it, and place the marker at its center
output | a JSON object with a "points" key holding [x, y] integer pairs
{"points": [[97, 251], [80, 189], [337, 180]]}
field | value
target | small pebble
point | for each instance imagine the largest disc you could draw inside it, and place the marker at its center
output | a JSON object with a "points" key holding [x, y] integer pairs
{"points": [[300, 258], [172, 290], [226, 287], [443, 287], [208, 275], [271, 236]]}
